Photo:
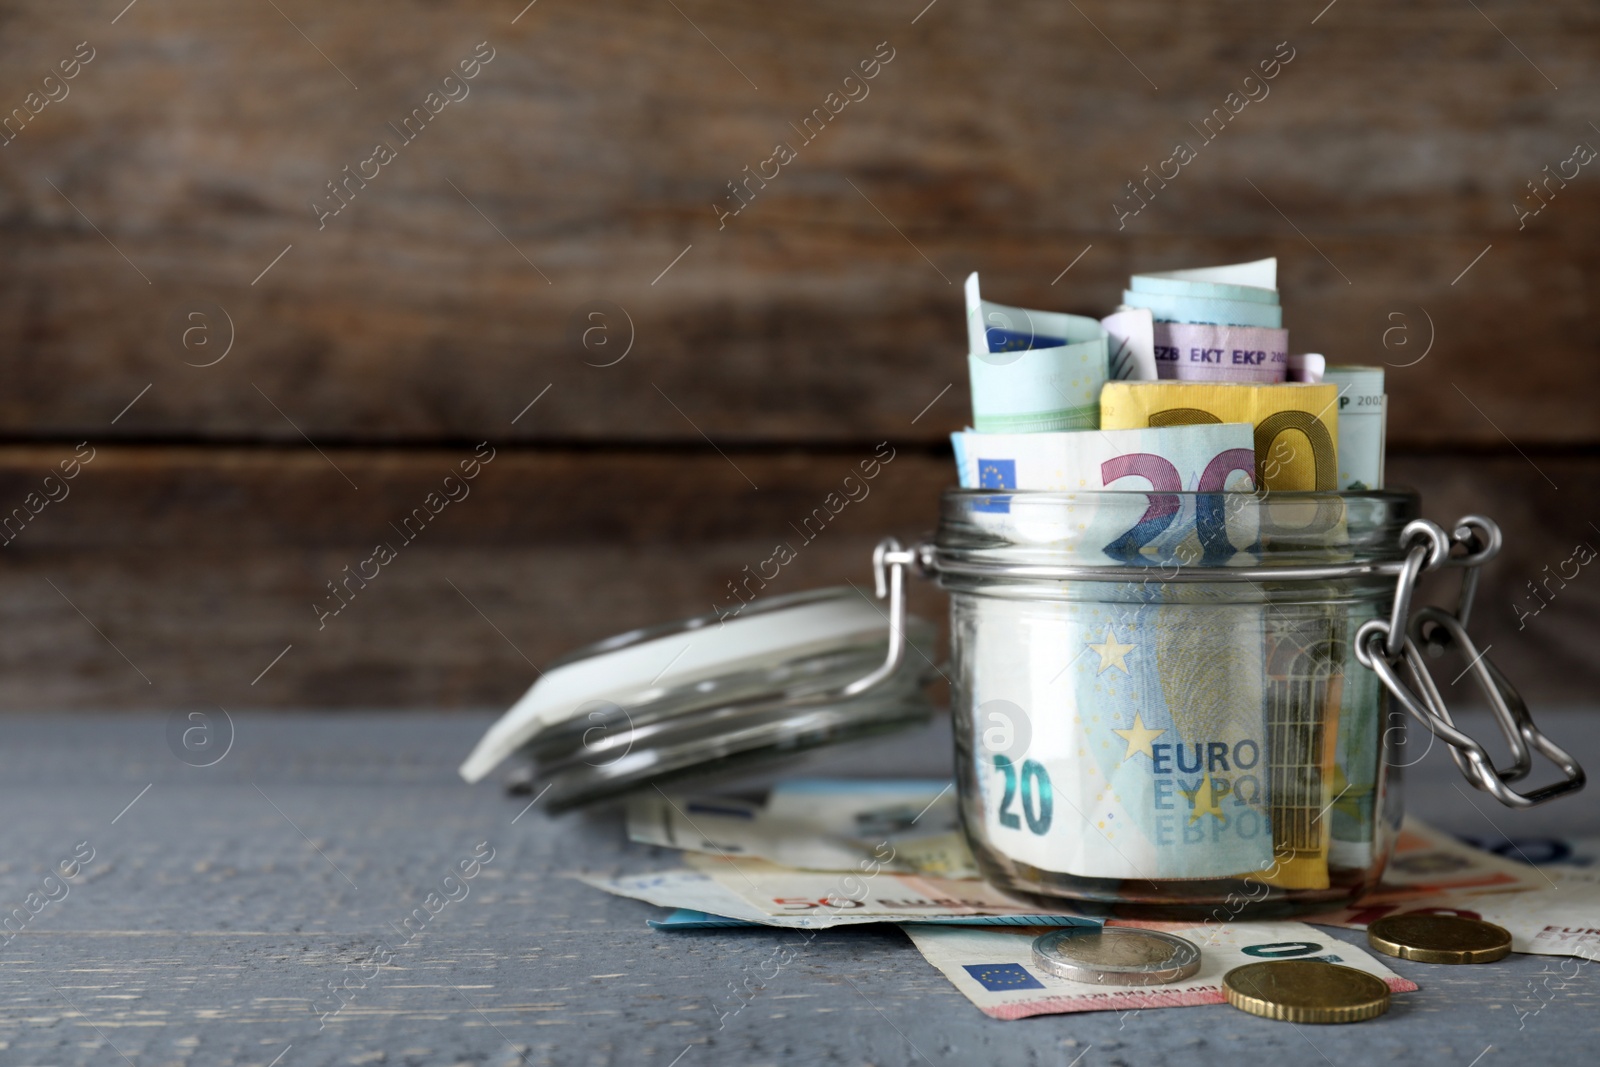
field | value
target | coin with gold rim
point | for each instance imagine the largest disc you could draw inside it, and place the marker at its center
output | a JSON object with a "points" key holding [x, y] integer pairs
{"points": [[1306, 991], [1439, 939]]}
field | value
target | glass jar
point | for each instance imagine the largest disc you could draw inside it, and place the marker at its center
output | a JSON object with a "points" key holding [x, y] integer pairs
{"points": [[1157, 700], [1170, 704]]}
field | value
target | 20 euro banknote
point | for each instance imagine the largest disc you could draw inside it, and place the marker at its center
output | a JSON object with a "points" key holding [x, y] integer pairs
{"points": [[1154, 517], [1143, 745]]}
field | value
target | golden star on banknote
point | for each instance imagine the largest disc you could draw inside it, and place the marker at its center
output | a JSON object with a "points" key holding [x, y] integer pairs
{"points": [[1138, 737], [1203, 798], [1112, 654]]}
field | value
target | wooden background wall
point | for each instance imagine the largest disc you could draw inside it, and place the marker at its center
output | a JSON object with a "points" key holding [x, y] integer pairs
{"points": [[746, 368]]}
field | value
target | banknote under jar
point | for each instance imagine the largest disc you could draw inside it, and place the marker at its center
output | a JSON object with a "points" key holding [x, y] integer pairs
{"points": [[1157, 702]]}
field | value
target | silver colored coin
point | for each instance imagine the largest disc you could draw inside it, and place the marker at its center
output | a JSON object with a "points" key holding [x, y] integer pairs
{"points": [[1115, 955]]}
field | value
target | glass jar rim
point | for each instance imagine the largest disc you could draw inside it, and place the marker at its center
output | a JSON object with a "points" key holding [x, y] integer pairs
{"points": [[1041, 533]]}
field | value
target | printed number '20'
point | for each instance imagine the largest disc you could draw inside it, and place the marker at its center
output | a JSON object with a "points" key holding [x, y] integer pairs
{"points": [[1165, 482], [1038, 805], [1164, 479]]}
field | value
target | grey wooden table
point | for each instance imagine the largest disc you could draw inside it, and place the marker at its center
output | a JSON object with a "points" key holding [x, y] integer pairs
{"points": [[222, 902]]}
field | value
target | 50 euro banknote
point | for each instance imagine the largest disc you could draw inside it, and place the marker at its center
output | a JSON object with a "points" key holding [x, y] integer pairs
{"points": [[905, 826], [1549, 910], [994, 968], [1426, 861], [1560, 919], [755, 891]]}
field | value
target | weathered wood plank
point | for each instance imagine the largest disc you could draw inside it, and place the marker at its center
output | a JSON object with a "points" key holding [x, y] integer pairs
{"points": [[202, 565], [597, 140]]}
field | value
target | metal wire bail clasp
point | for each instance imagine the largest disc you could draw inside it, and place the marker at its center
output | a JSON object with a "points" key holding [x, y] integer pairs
{"points": [[1382, 645], [889, 563]]}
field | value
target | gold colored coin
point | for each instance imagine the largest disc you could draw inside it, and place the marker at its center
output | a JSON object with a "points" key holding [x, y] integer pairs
{"points": [[1306, 991], [1439, 939]]}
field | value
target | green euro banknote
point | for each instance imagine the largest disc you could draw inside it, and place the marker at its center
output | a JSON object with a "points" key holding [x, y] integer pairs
{"points": [[1168, 307], [1363, 424], [1237, 294], [999, 328], [1033, 371], [1040, 389], [1255, 282], [1358, 759]]}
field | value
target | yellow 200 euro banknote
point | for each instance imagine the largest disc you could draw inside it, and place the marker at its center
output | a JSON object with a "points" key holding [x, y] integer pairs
{"points": [[1296, 424]]}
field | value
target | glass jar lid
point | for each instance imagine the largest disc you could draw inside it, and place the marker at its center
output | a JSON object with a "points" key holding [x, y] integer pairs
{"points": [[715, 693]]}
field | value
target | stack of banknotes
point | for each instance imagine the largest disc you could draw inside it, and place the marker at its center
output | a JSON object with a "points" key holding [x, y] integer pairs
{"points": [[1201, 735], [1195, 364], [825, 853]]}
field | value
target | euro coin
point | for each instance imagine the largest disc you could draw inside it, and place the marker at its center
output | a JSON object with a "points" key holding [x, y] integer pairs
{"points": [[1439, 939], [1306, 991], [1115, 955]]}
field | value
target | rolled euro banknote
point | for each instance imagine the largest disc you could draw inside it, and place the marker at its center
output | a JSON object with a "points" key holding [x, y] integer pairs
{"points": [[1363, 424], [1170, 308], [1146, 718], [1296, 425], [1042, 389], [1147, 749], [999, 328], [1153, 516], [1254, 282], [1307, 367], [1215, 457], [753, 891], [1133, 345], [1238, 294], [1216, 323], [1199, 352], [1033, 371]]}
